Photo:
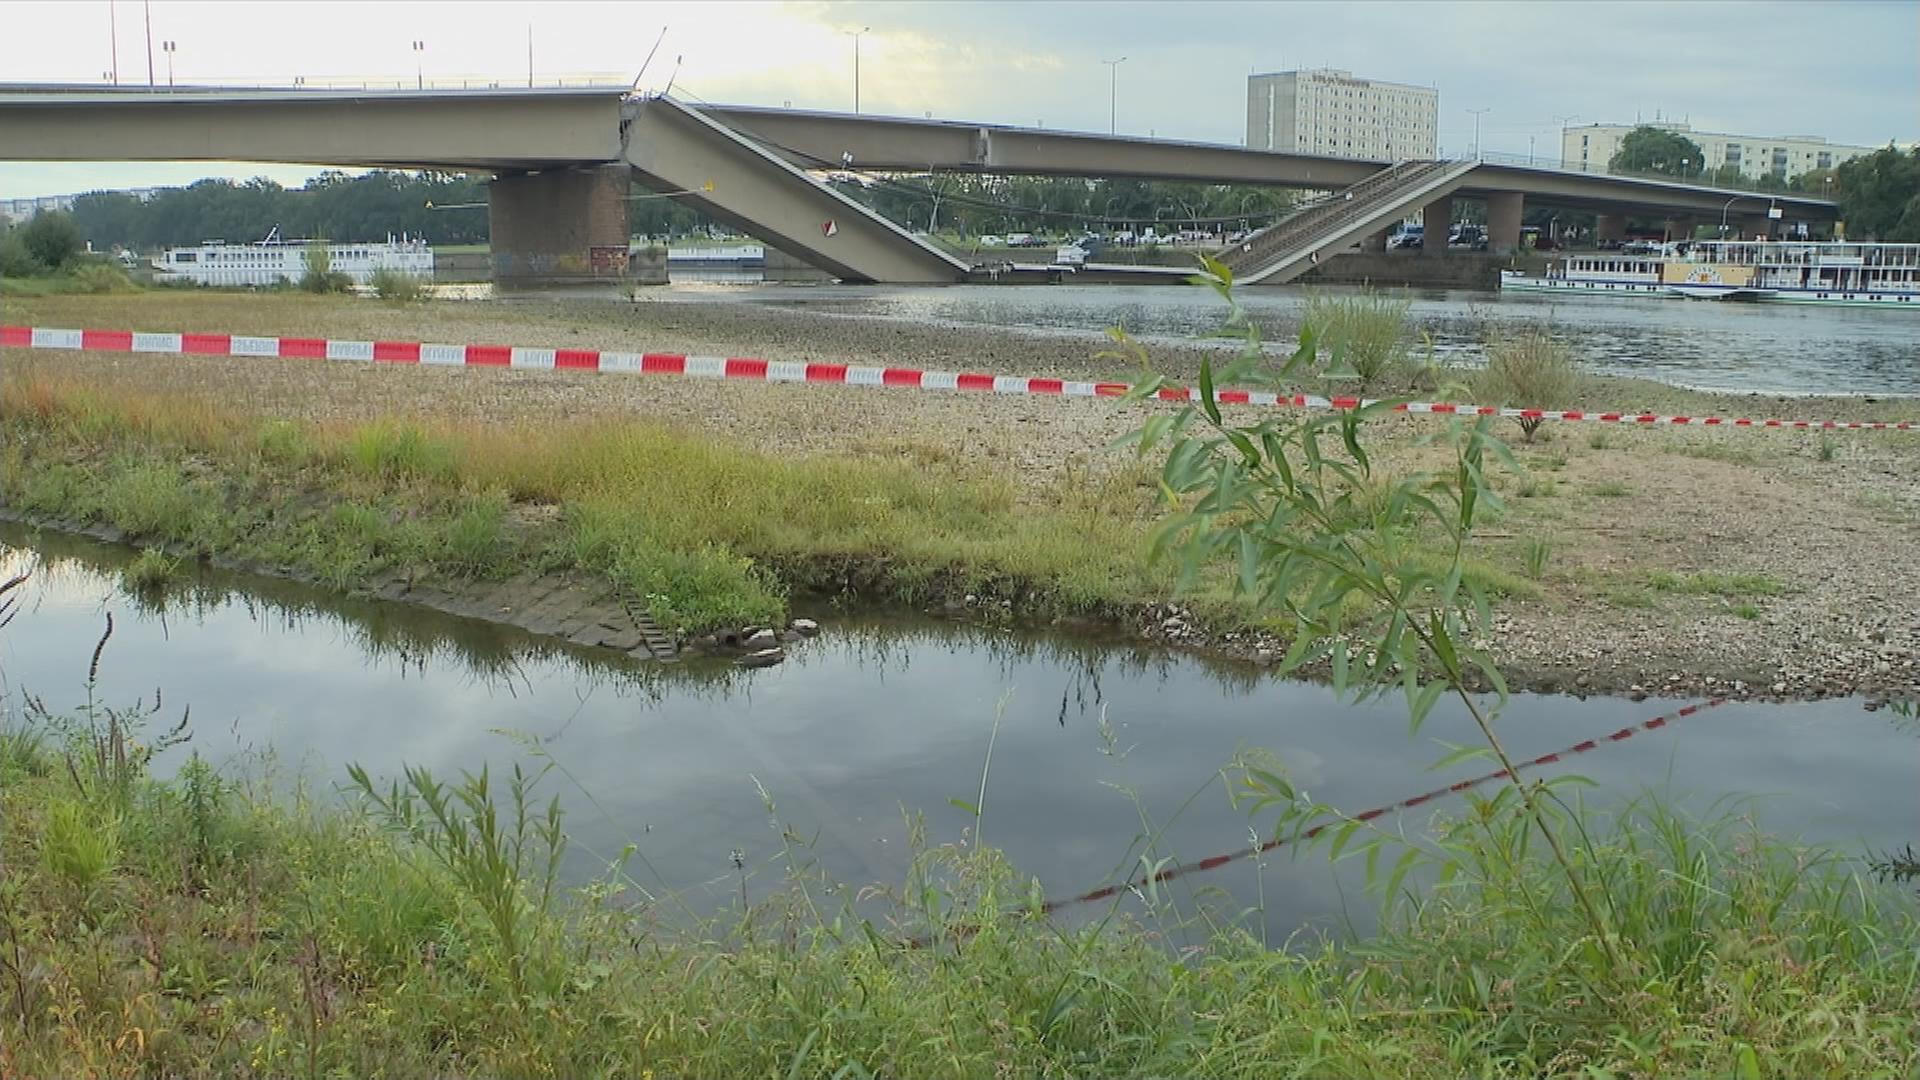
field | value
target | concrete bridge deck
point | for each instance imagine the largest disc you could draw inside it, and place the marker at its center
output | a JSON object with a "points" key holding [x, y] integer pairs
{"points": [[563, 156]]}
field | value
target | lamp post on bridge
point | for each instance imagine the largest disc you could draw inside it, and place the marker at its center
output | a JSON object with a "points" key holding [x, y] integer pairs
{"points": [[1560, 126], [1477, 113], [168, 47], [856, 35], [419, 65], [1113, 94]]}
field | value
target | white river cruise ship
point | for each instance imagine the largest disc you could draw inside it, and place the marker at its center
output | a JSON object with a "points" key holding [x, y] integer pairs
{"points": [[1792, 272], [273, 260]]}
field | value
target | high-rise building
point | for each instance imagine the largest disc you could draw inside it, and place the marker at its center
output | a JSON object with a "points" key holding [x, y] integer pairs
{"points": [[1330, 112], [1592, 146]]}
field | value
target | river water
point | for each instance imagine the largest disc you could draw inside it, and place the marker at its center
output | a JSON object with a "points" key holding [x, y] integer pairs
{"points": [[1743, 348], [1094, 744], [1782, 349]]}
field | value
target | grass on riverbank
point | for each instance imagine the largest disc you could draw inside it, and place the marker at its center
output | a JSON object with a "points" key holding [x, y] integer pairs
{"points": [[193, 927], [708, 535]]}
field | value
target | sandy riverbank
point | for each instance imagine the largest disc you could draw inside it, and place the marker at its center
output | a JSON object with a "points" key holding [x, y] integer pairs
{"points": [[1774, 562]]}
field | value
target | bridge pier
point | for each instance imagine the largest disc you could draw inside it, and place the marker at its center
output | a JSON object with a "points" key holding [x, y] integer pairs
{"points": [[1503, 221], [1679, 228], [1609, 227], [1436, 218], [559, 227], [1375, 242]]}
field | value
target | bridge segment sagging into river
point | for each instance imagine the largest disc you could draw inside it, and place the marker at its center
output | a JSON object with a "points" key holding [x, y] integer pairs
{"points": [[564, 158]]}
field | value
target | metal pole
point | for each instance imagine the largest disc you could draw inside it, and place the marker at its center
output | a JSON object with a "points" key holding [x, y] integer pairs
{"points": [[529, 56], [148, 4], [419, 65], [113, 41], [1476, 130], [855, 35], [1113, 94]]}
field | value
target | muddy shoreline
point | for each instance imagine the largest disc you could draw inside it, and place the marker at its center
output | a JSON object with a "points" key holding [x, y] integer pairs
{"points": [[573, 610]]}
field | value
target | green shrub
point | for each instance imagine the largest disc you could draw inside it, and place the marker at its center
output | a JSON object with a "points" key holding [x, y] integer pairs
{"points": [[150, 570], [1535, 551], [397, 287], [52, 239], [1529, 371], [100, 278], [398, 451], [1362, 338], [320, 276], [15, 260]]}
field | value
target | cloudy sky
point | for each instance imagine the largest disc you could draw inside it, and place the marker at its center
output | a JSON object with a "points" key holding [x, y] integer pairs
{"points": [[1848, 71]]}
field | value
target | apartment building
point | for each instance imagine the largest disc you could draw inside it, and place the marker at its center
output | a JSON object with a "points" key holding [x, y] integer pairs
{"points": [[1330, 112], [1592, 146]]}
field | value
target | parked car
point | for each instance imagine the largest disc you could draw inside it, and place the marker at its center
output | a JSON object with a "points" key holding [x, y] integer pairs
{"points": [[1407, 238], [990, 240], [1020, 239]]}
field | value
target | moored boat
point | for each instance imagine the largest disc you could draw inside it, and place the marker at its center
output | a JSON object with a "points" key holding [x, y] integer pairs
{"points": [[274, 261], [1760, 271]]}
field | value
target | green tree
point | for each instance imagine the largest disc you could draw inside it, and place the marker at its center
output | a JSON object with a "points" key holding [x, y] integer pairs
{"points": [[51, 239], [1880, 195], [1652, 149]]}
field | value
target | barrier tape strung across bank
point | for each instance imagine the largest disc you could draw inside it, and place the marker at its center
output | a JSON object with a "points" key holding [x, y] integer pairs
{"points": [[756, 370], [1107, 892]]}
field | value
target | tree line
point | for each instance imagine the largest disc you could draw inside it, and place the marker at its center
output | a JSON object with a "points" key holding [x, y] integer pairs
{"points": [[1878, 193], [449, 208], [333, 205]]}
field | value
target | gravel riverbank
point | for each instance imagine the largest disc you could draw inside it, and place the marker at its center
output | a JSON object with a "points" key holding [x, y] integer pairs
{"points": [[1756, 562]]}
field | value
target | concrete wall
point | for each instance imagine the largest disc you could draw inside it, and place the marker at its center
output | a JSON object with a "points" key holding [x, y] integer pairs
{"points": [[560, 227], [1456, 270]]}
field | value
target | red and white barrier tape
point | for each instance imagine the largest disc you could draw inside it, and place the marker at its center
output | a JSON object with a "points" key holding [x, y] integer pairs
{"points": [[1107, 892], [756, 370]]}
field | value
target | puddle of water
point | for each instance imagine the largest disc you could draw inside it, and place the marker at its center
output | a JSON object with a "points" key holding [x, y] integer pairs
{"points": [[1098, 744]]}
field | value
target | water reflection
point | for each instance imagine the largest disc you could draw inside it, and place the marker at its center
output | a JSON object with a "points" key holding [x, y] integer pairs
{"points": [[1103, 751]]}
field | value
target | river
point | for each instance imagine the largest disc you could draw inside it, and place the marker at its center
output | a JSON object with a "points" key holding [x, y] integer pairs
{"points": [[1095, 744], [1743, 348]]}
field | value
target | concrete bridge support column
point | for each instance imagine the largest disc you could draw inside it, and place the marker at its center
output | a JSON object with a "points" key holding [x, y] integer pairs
{"points": [[1679, 228], [559, 227], [1436, 218], [1609, 227], [1503, 220], [1376, 242]]}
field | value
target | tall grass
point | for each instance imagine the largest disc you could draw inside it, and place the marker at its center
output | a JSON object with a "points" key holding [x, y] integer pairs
{"points": [[1363, 338], [422, 930], [1529, 371]]}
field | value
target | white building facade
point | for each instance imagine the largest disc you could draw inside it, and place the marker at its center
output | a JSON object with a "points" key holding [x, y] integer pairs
{"points": [[1592, 146], [1330, 112]]}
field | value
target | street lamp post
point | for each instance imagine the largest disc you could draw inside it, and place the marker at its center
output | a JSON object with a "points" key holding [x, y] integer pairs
{"points": [[1113, 94], [168, 48], [1476, 130], [856, 35], [1560, 123], [1773, 210], [419, 65], [113, 42]]}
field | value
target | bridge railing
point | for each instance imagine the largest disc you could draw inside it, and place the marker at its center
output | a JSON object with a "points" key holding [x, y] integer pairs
{"points": [[572, 80], [1746, 184], [1333, 214]]}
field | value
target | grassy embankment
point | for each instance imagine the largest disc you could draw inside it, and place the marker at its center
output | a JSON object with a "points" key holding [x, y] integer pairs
{"points": [[193, 927], [709, 535]]}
